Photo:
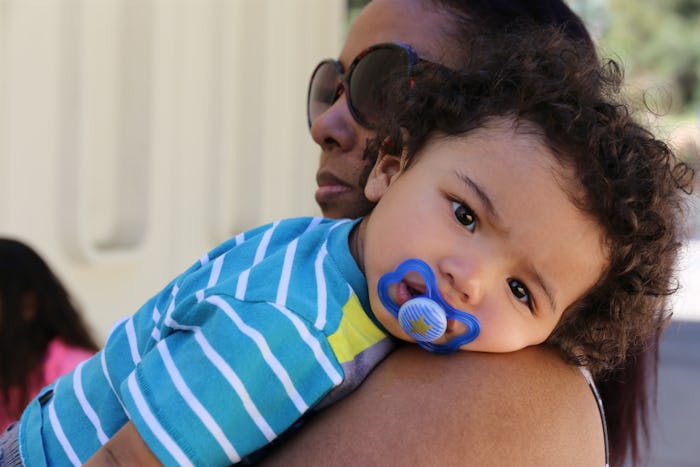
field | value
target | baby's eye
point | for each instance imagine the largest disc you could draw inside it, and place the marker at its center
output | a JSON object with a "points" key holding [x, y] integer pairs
{"points": [[464, 215], [520, 292]]}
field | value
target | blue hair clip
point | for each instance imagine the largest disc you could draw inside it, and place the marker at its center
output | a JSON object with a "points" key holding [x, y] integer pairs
{"points": [[424, 317]]}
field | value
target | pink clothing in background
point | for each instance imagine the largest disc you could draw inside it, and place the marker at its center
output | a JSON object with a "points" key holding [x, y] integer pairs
{"points": [[60, 359]]}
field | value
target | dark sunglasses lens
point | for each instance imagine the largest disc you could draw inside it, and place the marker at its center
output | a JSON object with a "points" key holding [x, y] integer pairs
{"points": [[369, 82], [323, 89]]}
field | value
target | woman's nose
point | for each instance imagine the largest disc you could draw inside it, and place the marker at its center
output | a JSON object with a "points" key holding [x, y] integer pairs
{"points": [[335, 129]]}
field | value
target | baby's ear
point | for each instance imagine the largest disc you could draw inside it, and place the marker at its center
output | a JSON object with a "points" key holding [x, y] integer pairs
{"points": [[384, 172]]}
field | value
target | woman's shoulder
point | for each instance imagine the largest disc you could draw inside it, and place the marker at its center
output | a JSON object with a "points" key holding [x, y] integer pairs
{"points": [[525, 408]]}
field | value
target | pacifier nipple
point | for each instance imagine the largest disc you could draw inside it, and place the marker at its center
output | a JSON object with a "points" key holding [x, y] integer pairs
{"points": [[423, 319]]}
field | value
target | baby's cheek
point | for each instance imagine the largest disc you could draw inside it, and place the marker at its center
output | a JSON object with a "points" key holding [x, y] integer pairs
{"points": [[501, 337]]}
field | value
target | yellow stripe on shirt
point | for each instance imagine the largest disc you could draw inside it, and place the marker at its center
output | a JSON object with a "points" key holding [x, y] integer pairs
{"points": [[356, 332]]}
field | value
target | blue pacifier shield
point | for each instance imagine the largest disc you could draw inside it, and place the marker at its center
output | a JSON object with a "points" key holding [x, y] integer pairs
{"points": [[424, 317]]}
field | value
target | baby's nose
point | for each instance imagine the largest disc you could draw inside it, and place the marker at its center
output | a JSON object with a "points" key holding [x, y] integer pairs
{"points": [[467, 278]]}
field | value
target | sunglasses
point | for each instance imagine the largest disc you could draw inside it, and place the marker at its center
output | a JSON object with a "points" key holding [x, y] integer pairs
{"points": [[365, 84]]}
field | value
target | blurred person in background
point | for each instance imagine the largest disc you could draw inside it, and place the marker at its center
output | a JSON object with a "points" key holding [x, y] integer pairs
{"points": [[42, 334]]}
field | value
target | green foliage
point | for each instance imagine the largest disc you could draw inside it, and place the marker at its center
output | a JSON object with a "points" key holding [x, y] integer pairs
{"points": [[659, 44]]}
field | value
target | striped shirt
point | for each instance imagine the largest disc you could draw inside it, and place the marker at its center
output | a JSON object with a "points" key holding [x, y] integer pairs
{"points": [[225, 358]]}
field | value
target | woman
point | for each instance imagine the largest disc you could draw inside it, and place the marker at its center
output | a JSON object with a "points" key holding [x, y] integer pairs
{"points": [[526, 408]]}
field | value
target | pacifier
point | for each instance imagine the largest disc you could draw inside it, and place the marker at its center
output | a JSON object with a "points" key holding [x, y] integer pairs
{"points": [[424, 317]]}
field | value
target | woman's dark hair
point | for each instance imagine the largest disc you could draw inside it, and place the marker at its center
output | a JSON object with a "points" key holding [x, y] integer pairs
{"points": [[625, 179], [34, 309], [471, 18]]}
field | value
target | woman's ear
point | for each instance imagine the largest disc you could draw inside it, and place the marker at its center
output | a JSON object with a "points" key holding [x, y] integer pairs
{"points": [[384, 172]]}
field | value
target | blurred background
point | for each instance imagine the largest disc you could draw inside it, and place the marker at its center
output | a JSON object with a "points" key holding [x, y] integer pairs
{"points": [[137, 134]]}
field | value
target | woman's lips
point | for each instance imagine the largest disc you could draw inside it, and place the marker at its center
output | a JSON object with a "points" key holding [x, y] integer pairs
{"points": [[329, 186], [328, 190]]}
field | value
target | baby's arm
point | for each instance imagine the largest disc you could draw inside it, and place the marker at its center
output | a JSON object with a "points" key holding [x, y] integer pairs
{"points": [[126, 448]]}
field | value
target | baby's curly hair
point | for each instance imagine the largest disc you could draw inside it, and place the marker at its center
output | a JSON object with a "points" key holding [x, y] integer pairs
{"points": [[627, 180]]}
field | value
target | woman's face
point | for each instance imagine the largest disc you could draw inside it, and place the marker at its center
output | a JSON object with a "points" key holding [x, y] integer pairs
{"points": [[342, 172]]}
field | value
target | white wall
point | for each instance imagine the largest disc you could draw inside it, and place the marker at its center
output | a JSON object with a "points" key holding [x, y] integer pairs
{"points": [[137, 134]]}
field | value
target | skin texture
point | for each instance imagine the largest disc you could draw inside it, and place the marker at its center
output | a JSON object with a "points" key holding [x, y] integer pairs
{"points": [[342, 171], [125, 448], [523, 409]]}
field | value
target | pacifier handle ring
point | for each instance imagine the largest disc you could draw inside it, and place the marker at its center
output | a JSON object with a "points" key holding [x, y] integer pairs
{"points": [[457, 342]]}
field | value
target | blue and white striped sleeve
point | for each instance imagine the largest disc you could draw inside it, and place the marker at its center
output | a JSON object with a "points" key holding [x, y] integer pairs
{"points": [[225, 379]]}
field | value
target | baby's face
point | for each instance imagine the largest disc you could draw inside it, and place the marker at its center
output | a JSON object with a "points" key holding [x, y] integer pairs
{"points": [[488, 214]]}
